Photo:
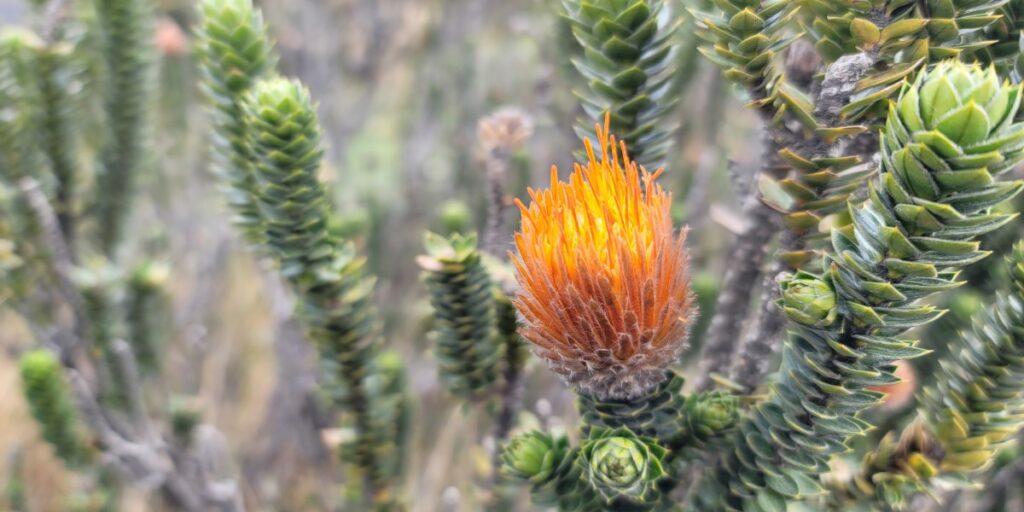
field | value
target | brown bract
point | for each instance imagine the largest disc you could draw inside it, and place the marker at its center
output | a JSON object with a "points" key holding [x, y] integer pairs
{"points": [[604, 287]]}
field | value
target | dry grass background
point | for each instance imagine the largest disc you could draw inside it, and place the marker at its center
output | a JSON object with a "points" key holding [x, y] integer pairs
{"points": [[401, 85]]}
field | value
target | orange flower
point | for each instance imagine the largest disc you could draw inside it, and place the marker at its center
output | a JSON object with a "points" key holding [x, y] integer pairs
{"points": [[898, 395], [604, 288]]}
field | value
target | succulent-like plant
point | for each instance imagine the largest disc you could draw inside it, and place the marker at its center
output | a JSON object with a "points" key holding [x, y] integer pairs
{"points": [[57, 70], [747, 37], [18, 150], [550, 465], [49, 399], [628, 64], [144, 306], [335, 295], [975, 406], [126, 49], [947, 138], [533, 456], [808, 299], [710, 416], [1005, 34], [626, 470], [235, 51], [461, 293], [931, 29]]}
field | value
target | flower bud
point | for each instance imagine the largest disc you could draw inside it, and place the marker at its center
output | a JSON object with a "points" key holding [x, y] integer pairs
{"points": [[533, 456], [623, 467], [711, 414], [808, 299]]}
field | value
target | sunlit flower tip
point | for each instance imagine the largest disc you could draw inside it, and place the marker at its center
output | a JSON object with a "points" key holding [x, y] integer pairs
{"points": [[604, 287]]}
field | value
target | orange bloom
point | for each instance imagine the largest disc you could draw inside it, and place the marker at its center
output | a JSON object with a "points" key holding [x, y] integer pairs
{"points": [[898, 395], [604, 288]]}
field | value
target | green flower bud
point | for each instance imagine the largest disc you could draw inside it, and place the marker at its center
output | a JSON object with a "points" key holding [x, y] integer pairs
{"points": [[711, 414], [622, 467], [618, 462], [808, 299], [186, 415], [533, 456], [455, 217]]}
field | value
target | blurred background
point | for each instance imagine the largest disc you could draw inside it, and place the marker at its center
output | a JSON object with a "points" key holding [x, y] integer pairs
{"points": [[401, 86]]}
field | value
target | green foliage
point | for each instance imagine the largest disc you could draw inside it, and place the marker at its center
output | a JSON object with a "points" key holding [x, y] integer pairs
{"points": [[127, 46], [972, 411], [949, 136], [285, 145], [49, 399], [467, 348], [18, 103], [815, 189], [1006, 34], [746, 37], [656, 414], [903, 34], [392, 413], [235, 52], [96, 281], [335, 295], [976, 406], [626, 470], [629, 67], [930, 29]]}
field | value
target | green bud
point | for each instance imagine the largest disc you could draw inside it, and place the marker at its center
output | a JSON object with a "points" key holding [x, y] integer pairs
{"points": [[454, 216], [808, 299], [185, 417], [533, 456], [622, 467], [618, 462], [711, 414]]}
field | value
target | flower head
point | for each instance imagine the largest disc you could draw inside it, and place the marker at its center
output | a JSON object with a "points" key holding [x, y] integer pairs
{"points": [[604, 288]]}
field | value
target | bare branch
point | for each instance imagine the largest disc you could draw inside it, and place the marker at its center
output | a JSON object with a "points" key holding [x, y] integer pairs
{"points": [[764, 338], [128, 373], [60, 257]]}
